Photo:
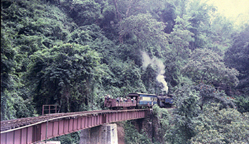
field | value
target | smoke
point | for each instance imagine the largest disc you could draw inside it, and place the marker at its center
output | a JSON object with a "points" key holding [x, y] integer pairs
{"points": [[160, 69]]}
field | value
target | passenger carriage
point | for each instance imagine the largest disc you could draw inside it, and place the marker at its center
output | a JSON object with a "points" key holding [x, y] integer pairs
{"points": [[143, 99], [118, 104]]}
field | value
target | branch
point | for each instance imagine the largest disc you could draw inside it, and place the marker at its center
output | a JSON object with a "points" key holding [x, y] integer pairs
{"points": [[128, 9]]}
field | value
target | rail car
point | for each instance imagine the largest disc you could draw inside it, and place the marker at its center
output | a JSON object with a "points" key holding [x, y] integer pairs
{"points": [[138, 100], [165, 101]]}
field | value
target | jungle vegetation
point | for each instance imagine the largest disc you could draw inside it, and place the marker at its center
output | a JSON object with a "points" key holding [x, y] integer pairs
{"points": [[74, 52]]}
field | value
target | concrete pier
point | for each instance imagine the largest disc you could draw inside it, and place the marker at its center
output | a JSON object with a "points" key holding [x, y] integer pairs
{"points": [[104, 134]]}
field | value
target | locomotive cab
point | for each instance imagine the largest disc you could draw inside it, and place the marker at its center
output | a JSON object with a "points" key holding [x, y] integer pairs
{"points": [[165, 101]]}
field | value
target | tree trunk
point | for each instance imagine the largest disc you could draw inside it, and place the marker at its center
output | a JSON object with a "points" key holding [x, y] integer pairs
{"points": [[117, 12], [67, 95]]}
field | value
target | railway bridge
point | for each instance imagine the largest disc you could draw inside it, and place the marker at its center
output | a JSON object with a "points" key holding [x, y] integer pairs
{"points": [[37, 129]]}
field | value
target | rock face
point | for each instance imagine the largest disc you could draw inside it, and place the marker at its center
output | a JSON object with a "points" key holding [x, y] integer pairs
{"points": [[105, 134], [151, 126]]}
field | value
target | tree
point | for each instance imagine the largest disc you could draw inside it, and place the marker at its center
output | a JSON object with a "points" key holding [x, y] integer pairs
{"points": [[179, 52], [190, 102], [219, 35], [242, 102], [187, 109], [221, 126], [149, 78], [133, 136], [14, 100], [146, 31], [237, 56], [208, 94], [8, 65], [207, 67], [56, 71], [122, 78], [94, 37], [85, 12], [199, 14], [163, 117]]}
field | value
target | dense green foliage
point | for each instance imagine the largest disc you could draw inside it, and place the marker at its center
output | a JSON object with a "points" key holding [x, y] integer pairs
{"points": [[133, 136], [74, 52], [72, 138], [221, 126], [64, 71]]}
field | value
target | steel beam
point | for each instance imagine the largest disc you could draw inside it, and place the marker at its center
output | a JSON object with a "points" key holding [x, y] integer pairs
{"points": [[50, 128]]}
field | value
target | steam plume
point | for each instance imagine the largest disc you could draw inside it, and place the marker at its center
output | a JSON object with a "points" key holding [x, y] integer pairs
{"points": [[160, 69]]}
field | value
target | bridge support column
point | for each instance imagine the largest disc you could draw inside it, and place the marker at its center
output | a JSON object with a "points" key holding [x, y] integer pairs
{"points": [[85, 136], [105, 134]]}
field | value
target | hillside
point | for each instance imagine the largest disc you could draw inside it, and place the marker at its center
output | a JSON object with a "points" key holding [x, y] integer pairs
{"points": [[74, 52]]}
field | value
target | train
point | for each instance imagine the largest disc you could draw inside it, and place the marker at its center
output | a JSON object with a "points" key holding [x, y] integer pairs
{"points": [[138, 100]]}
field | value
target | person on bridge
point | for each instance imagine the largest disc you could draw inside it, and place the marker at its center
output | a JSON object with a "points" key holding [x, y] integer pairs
{"points": [[133, 99], [108, 97]]}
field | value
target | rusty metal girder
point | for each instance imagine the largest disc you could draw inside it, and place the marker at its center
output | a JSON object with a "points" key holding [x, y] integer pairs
{"points": [[46, 129]]}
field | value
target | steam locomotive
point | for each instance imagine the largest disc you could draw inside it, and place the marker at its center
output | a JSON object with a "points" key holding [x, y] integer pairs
{"points": [[139, 100]]}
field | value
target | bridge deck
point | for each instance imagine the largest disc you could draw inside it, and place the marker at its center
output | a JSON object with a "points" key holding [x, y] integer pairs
{"points": [[35, 129]]}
